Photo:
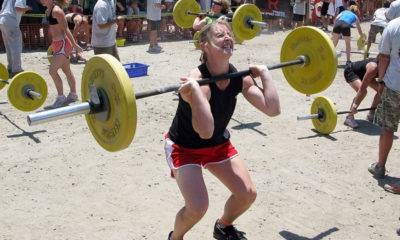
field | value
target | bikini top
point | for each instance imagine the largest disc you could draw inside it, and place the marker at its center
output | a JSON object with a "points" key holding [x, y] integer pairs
{"points": [[50, 19]]}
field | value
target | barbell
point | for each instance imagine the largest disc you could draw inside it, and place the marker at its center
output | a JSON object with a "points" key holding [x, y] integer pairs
{"points": [[27, 90], [246, 20], [324, 115], [308, 61]]}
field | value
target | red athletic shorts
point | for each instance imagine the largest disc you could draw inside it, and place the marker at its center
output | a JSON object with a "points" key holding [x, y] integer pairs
{"points": [[63, 47], [178, 156]]}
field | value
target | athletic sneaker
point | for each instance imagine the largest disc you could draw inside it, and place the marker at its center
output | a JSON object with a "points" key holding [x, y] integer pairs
{"points": [[59, 102], [154, 49], [227, 233], [351, 122], [370, 117], [377, 171], [392, 187], [72, 97], [170, 236]]}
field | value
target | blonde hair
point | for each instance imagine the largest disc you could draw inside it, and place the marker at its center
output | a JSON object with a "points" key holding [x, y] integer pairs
{"points": [[353, 8], [205, 35]]}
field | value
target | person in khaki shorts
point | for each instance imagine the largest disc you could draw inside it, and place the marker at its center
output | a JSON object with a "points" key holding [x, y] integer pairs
{"points": [[104, 28], [378, 24], [387, 115]]}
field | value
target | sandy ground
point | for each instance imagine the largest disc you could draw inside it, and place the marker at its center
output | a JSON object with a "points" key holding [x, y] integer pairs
{"points": [[57, 183]]}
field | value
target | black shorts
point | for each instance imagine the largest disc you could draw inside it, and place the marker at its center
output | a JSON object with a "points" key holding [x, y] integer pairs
{"points": [[324, 8], [153, 25], [350, 75], [341, 9], [342, 27], [298, 17]]}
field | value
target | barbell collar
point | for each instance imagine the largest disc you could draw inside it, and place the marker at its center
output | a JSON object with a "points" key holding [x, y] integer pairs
{"points": [[59, 113], [32, 94], [258, 23], [308, 117]]}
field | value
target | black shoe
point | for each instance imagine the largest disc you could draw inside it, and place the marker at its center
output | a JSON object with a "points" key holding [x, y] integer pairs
{"points": [[170, 236], [227, 233]]}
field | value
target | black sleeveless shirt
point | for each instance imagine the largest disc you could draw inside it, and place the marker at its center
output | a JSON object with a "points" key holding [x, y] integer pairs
{"points": [[222, 104]]}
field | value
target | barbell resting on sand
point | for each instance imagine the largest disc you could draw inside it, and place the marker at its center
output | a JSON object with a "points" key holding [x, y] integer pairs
{"points": [[27, 90], [324, 115]]}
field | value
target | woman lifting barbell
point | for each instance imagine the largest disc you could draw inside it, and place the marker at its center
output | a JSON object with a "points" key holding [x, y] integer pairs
{"points": [[198, 136], [218, 8], [62, 44]]}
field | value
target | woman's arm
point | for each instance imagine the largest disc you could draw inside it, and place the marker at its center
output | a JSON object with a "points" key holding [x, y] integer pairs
{"points": [[265, 99], [199, 23], [197, 97]]}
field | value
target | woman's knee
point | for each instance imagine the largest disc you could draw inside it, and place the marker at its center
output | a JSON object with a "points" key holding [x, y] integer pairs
{"points": [[249, 195], [197, 210]]}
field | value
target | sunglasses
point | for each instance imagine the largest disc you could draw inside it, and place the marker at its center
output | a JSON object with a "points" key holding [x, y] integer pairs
{"points": [[217, 3]]}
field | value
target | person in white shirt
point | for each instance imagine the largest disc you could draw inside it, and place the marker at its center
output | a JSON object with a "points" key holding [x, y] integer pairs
{"points": [[104, 28], [378, 24], [299, 11], [393, 11], [387, 114], [153, 16], [10, 17]]}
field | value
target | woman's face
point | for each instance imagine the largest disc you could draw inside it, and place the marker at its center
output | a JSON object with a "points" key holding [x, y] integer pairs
{"points": [[221, 39], [216, 7]]}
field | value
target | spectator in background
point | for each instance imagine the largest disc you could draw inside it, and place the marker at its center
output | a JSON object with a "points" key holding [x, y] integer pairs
{"points": [[10, 17], [133, 25], [205, 5], [387, 114], [299, 11], [218, 8], [104, 28], [378, 24], [80, 27], [339, 7], [324, 15], [153, 16], [88, 6], [393, 11], [121, 12]]}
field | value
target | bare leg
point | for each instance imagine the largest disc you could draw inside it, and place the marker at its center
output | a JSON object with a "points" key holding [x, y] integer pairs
{"points": [[335, 39], [70, 76], [191, 183], [57, 61], [385, 144], [348, 47], [235, 176]]}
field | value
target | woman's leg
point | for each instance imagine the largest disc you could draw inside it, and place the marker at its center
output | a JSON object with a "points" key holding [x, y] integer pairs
{"points": [[335, 39], [191, 184], [70, 76], [348, 47], [57, 61], [235, 176]]}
